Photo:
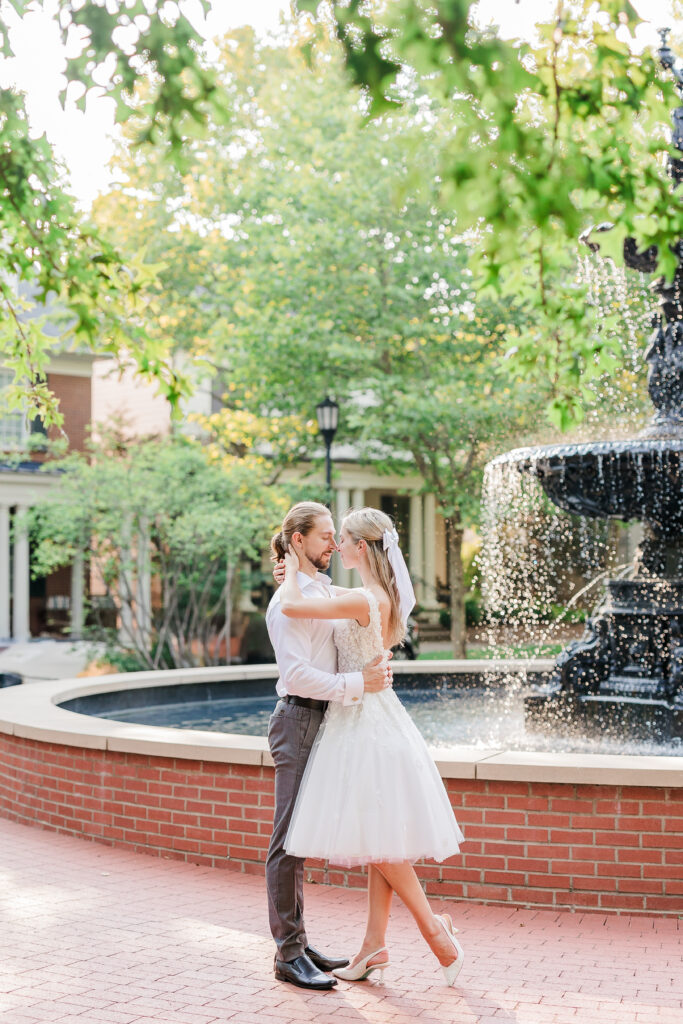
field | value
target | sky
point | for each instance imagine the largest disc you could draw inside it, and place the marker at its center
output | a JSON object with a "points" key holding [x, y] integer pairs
{"points": [[85, 141]]}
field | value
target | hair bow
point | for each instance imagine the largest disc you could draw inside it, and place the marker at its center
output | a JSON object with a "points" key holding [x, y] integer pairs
{"points": [[406, 594]]}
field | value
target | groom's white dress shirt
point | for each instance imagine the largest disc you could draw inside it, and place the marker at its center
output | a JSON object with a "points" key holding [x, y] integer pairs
{"points": [[305, 651]]}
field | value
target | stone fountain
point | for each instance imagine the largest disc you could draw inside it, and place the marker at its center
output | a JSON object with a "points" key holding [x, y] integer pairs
{"points": [[626, 672]]}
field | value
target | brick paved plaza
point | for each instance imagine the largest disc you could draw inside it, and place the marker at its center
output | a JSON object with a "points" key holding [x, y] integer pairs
{"points": [[96, 935]]}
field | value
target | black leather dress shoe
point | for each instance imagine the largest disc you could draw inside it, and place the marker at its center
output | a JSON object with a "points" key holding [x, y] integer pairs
{"points": [[325, 963], [302, 972]]}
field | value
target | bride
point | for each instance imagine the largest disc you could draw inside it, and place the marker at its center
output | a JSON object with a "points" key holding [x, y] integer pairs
{"points": [[383, 802]]}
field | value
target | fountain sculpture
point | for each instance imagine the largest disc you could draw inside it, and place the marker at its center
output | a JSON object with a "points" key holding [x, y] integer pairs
{"points": [[627, 669]]}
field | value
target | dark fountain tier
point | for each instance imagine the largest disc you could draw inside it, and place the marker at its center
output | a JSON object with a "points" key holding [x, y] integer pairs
{"points": [[627, 669]]}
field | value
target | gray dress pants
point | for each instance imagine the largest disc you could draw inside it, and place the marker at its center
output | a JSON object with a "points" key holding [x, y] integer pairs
{"points": [[291, 733]]}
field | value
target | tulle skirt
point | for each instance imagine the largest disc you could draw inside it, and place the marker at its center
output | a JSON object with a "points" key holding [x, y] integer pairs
{"points": [[371, 791]]}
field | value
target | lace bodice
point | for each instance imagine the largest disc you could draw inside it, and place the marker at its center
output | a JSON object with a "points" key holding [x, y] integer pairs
{"points": [[357, 645]]}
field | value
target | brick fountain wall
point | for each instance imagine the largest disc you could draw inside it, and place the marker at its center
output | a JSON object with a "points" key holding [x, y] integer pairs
{"points": [[548, 845]]}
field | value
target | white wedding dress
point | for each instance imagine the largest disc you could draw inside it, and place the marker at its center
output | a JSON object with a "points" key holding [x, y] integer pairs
{"points": [[370, 790]]}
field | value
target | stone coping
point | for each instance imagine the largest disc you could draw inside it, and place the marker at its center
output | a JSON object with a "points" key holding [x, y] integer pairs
{"points": [[32, 711]]}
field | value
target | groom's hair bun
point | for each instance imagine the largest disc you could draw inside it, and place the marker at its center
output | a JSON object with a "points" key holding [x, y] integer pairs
{"points": [[277, 546], [300, 519]]}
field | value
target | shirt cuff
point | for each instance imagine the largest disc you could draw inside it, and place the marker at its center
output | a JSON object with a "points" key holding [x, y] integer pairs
{"points": [[353, 691]]}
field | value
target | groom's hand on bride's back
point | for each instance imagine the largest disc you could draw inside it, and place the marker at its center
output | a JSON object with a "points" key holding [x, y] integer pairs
{"points": [[378, 675]]}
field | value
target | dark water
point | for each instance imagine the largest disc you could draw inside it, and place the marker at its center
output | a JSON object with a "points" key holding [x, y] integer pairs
{"points": [[477, 717]]}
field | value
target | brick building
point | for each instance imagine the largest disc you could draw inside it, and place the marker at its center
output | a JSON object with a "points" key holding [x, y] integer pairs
{"points": [[50, 604]]}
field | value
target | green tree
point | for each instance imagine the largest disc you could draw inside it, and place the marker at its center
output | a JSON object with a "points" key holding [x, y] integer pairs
{"points": [[306, 253], [547, 139], [162, 511], [145, 55]]}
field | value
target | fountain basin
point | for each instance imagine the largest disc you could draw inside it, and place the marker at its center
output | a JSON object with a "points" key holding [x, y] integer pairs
{"points": [[638, 479], [633, 715], [540, 827], [460, 704]]}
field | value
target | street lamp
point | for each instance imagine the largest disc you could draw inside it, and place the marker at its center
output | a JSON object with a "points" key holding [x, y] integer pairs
{"points": [[327, 413]]}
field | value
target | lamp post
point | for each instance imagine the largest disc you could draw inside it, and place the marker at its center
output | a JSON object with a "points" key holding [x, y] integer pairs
{"points": [[327, 413]]}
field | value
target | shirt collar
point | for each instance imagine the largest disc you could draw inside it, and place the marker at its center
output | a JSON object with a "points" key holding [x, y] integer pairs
{"points": [[303, 579]]}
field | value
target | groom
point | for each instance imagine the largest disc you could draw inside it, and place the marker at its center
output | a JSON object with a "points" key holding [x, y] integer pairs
{"points": [[307, 661]]}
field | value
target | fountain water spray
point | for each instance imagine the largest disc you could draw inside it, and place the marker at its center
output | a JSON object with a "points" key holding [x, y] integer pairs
{"points": [[626, 672]]}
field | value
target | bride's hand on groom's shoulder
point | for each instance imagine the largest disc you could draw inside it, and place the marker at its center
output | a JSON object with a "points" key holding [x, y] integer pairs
{"points": [[291, 561]]}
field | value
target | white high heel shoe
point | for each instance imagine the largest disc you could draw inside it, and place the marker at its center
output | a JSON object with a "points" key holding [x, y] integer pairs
{"points": [[452, 971], [361, 970]]}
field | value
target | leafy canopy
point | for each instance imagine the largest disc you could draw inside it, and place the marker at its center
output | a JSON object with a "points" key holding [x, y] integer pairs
{"points": [[145, 55], [305, 252], [548, 138]]}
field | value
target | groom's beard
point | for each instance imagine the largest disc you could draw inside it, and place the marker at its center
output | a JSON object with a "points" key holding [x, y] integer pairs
{"points": [[322, 562]]}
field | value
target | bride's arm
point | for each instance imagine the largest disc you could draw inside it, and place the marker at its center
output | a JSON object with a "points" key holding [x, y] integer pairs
{"points": [[279, 577], [351, 604]]}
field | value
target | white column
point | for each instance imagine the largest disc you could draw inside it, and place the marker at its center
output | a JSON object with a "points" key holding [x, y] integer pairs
{"points": [[21, 630], [429, 513], [342, 503], [77, 616], [4, 573], [417, 546]]}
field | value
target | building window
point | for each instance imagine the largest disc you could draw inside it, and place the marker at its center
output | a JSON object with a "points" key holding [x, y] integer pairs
{"points": [[14, 427]]}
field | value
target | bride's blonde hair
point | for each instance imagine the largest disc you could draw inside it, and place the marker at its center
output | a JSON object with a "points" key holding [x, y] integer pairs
{"points": [[369, 524]]}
